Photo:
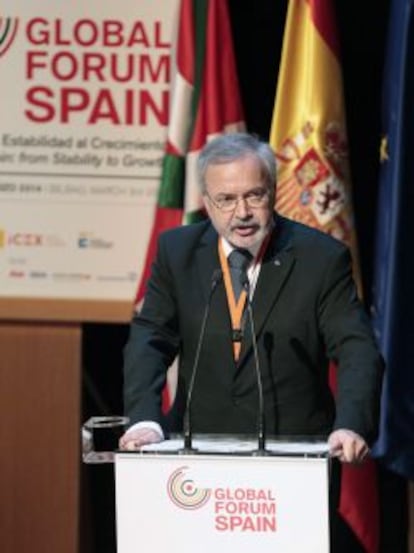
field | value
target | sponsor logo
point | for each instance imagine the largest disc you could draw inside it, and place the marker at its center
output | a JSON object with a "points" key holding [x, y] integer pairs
{"points": [[38, 275], [239, 509], [71, 277], [128, 277], [8, 32], [30, 239], [16, 273], [89, 240]]}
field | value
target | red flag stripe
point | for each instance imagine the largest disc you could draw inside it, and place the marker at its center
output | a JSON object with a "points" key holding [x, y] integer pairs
{"points": [[164, 219], [324, 20], [185, 44], [286, 201], [219, 98]]}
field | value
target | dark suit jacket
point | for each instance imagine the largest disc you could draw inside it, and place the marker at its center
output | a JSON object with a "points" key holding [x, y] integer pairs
{"points": [[306, 312]]}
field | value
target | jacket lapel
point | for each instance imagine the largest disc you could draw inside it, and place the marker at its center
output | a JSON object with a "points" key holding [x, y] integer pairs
{"points": [[277, 264], [207, 261]]}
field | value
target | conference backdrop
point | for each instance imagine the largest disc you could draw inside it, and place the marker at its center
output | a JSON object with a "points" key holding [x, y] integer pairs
{"points": [[84, 108]]}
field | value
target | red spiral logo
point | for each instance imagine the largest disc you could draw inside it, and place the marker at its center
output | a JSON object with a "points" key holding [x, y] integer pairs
{"points": [[184, 493]]}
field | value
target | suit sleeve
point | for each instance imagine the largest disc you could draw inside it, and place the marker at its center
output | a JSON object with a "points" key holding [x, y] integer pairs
{"points": [[351, 346], [152, 345]]}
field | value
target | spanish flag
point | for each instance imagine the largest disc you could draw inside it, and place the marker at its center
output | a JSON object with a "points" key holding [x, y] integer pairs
{"points": [[308, 135]]}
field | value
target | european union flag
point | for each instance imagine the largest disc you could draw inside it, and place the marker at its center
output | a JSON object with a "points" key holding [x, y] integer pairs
{"points": [[393, 309]]}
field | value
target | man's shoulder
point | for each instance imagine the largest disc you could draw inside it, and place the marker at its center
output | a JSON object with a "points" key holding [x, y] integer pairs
{"points": [[306, 236], [311, 245], [186, 234]]}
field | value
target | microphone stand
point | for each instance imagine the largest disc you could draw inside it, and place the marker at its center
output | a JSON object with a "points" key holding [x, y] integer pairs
{"points": [[261, 450], [187, 427]]}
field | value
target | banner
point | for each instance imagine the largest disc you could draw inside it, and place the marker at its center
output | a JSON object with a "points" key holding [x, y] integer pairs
{"points": [[393, 294], [84, 111]]}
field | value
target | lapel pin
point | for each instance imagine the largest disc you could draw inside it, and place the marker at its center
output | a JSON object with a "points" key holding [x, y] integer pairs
{"points": [[277, 262]]}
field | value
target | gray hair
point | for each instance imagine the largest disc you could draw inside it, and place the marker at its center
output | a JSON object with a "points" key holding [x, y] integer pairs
{"points": [[230, 147]]}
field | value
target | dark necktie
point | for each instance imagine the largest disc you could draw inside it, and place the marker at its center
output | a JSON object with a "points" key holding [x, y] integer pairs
{"points": [[239, 260]]}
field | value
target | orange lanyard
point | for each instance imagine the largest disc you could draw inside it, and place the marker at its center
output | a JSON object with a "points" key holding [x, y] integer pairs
{"points": [[236, 308]]}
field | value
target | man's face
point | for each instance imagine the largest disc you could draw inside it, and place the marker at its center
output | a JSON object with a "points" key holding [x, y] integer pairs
{"points": [[240, 180]]}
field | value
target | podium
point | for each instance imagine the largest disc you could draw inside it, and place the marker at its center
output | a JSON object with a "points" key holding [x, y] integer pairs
{"points": [[223, 498]]}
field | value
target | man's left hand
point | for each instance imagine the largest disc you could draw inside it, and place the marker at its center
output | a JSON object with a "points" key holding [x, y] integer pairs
{"points": [[347, 446]]}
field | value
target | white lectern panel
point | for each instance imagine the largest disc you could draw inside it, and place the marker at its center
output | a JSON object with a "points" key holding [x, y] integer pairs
{"points": [[221, 503]]}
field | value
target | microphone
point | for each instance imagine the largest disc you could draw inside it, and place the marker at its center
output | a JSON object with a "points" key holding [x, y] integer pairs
{"points": [[261, 425], [188, 434]]}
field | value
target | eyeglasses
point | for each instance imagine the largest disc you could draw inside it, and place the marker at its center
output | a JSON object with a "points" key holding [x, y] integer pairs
{"points": [[254, 199]]}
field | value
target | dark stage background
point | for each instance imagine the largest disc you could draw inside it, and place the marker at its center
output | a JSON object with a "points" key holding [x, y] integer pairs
{"points": [[258, 32]]}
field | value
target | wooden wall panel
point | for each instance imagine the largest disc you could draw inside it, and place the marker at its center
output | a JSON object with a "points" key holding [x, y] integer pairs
{"points": [[39, 436]]}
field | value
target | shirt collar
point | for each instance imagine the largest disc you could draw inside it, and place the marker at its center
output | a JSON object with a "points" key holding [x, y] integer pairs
{"points": [[228, 248]]}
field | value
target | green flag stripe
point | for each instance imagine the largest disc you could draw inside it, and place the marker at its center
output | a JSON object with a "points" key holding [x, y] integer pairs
{"points": [[200, 12], [171, 192], [194, 216]]}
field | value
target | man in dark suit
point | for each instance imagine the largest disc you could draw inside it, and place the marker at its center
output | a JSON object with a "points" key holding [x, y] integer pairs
{"points": [[305, 308]]}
